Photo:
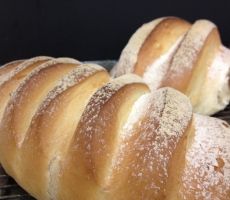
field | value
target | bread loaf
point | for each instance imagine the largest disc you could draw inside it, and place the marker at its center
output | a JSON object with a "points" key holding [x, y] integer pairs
{"points": [[69, 131], [190, 58]]}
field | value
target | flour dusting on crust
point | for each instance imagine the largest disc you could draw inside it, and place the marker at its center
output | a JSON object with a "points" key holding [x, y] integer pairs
{"points": [[129, 54], [207, 172], [92, 121], [76, 76], [150, 136], [23, 66], [190, 47], [38, 70], [155, 73]]}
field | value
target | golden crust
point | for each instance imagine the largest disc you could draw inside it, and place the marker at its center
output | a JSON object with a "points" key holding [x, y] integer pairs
{"points": [[129, 54], [159, 41], [63, 105], [188, 55], [182, 56], [11, 80], [71, 132], [23, 104], [8, 67], [148, 43], [94, 142], [148, 144], [206, 173]]}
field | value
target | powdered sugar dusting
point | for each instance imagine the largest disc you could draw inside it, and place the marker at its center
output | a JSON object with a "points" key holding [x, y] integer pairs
{"points": [[207, 172], [156, 72], [187, 54], [129, 54]]}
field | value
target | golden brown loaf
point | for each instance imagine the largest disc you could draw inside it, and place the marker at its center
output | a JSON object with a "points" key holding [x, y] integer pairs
{"points": [[70, 132], [190, 58]]}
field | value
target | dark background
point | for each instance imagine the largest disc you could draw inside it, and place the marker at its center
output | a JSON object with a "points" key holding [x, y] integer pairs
{"points": [[89, 30]]}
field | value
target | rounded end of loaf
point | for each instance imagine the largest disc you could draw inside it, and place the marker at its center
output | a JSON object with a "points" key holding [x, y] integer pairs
{"points": [[215, 95], [170, 52], [206, 172]]}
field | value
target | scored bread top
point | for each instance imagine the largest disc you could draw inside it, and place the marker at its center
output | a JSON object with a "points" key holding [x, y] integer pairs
{"points": [[150, 136], [156, 72], [89, 138], [10, 81], [38, 82], [24, 65], [161, 39], [22, 104], [53, 126], [39, 69], [96, 105], [176, 54], [8, 67], [130, 53], [96, 136], [186, 56], [76, 76], [148, 43]]}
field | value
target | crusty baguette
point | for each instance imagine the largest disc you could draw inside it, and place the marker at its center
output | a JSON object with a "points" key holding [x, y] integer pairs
{"points": [[69, 131], [183, 56]]}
